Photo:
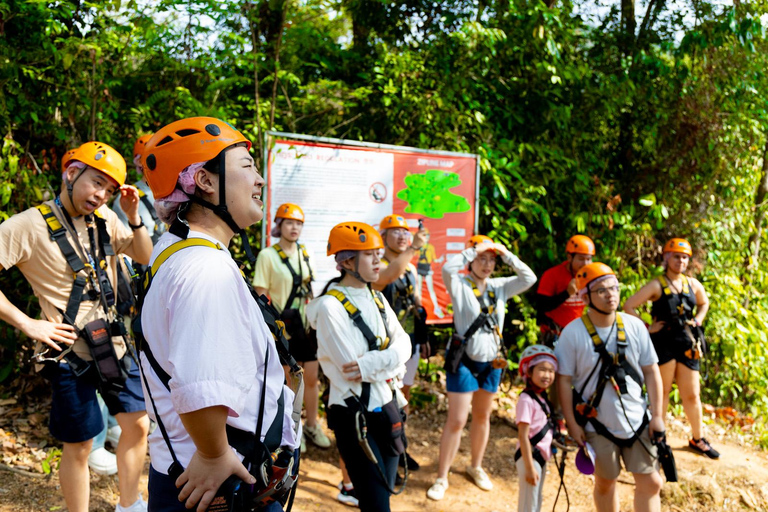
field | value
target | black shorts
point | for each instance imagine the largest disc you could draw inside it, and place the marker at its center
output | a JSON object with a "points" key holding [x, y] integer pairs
{"points": [[671, 347], [304, 350]]}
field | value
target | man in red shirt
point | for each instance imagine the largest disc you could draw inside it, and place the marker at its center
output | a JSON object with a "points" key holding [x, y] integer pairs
{"points": [[557, 296]]}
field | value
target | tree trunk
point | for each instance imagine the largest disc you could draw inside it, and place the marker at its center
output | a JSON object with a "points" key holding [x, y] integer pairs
{"points": [[755, 238]]}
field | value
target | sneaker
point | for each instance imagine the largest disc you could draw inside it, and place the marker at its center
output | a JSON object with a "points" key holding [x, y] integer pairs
{"points": [[480, 478], [303, 447], [317, 436], [412, 464], [113, 435], [347, 496], [702, 446], [139, 506], [102, 462], [437, 491]]}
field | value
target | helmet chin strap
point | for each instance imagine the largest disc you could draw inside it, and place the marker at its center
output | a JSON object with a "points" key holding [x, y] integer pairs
{"points": [[356, 273], [70, 187], [221, 209], [592, 305]]}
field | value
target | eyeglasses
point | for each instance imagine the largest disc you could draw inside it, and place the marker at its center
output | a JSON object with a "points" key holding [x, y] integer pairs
{"points": [[608, 290], [485, 260]]}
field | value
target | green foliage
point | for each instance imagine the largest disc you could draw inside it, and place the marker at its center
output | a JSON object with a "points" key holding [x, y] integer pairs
{"points": [[628, 134]]}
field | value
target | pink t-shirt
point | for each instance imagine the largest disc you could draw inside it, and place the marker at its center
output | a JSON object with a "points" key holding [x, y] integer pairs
{"points": [[528, 411]]}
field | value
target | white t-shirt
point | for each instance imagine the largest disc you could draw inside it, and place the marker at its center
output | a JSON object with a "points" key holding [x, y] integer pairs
{"points": [[339, 341], [466, 308], [209, 335], [576, 357]]}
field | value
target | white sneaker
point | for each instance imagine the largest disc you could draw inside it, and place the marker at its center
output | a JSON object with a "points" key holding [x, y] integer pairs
{"points": [[113, 435], [139, 506], [480, 477], [303, 447], [347, 496], [317, 436], [437, 491], [102, 462]]}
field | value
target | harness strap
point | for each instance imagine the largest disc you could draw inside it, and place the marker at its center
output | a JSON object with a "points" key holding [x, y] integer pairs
{"points": [[538, 436], [298, 280], [105, 245], [149, 206], [372, 339], [59, 235]]}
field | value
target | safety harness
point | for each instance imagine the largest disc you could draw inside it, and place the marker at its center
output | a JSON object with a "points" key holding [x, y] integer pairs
{"points": [[614, 369], [536, 438], [400, 294], [89, 269], [487, 319], [298, 288], [360, 404], [275, 467], [680, 313]]}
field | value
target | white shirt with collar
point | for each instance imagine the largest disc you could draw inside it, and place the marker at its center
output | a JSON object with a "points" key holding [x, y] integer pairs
{"points": [[208, 334], [339, 341], [482, 347]]}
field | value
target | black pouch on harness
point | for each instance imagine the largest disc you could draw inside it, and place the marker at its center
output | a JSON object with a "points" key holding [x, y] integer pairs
{"points": [[294, 327], [98, 336], [395, 425], [581, 409], [456, 349]]}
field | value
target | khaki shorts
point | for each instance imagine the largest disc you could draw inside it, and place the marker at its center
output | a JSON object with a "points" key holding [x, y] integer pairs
{"points": [[636, 459]]}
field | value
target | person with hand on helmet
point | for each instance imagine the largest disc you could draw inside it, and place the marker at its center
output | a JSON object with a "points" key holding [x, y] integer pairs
{"points": [[676, 333], [533, 415], [558, 295], [67, 250], [362, 348], [405, 299], [284, 272], [479, 303], [155, 227], [210, 364], [604, 359]]}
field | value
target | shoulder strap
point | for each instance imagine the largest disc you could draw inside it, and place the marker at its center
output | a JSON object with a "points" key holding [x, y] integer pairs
{"points": [[105, 246], [149, 206], [357, 318], [538, 436], [305, 255], [59, 235], [297, 277]]}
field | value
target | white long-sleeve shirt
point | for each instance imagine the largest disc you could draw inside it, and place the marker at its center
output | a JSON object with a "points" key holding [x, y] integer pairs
{"points": [[209, 335], [482, 347], [339, 341]]}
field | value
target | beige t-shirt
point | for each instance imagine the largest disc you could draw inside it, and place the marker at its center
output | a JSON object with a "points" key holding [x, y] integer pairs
{"points": [[271, 273], [25, 243]]}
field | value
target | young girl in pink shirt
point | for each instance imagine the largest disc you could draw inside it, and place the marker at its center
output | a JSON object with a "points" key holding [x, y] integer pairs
{"points": [[538, 365]]}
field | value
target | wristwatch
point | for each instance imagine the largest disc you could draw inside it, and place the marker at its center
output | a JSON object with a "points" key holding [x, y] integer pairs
{"points": [[135, 227]]}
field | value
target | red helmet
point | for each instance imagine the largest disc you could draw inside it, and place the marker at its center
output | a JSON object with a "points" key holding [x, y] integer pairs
{"points": [[182, 143]]}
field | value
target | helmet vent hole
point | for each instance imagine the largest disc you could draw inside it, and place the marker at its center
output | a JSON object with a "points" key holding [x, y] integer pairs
{"points": [[151, 162], [165, 140], [213, 129], [187, 132]]}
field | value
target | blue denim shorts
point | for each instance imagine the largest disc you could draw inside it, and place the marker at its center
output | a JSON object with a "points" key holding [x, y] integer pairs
{"points": [[464, 381], [75, 410]]}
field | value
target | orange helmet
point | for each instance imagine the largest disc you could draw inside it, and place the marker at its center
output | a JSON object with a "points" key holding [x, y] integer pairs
{"points": [[678, 245], [182, 143], [140, 144], [66, 158], [393, 221], [353, 236], [589, 273], [477, 240], [102, 158], [580, 244], [290, 211]]}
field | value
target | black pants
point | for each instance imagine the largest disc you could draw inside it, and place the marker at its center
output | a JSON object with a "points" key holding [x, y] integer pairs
{"points": [[370, 489]]}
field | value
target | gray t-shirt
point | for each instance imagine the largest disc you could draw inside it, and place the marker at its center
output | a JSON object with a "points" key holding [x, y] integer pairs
{"points": [[576, 357]]}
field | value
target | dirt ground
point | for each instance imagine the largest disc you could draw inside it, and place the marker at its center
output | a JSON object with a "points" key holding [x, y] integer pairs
{"points": [[738, 481]]}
